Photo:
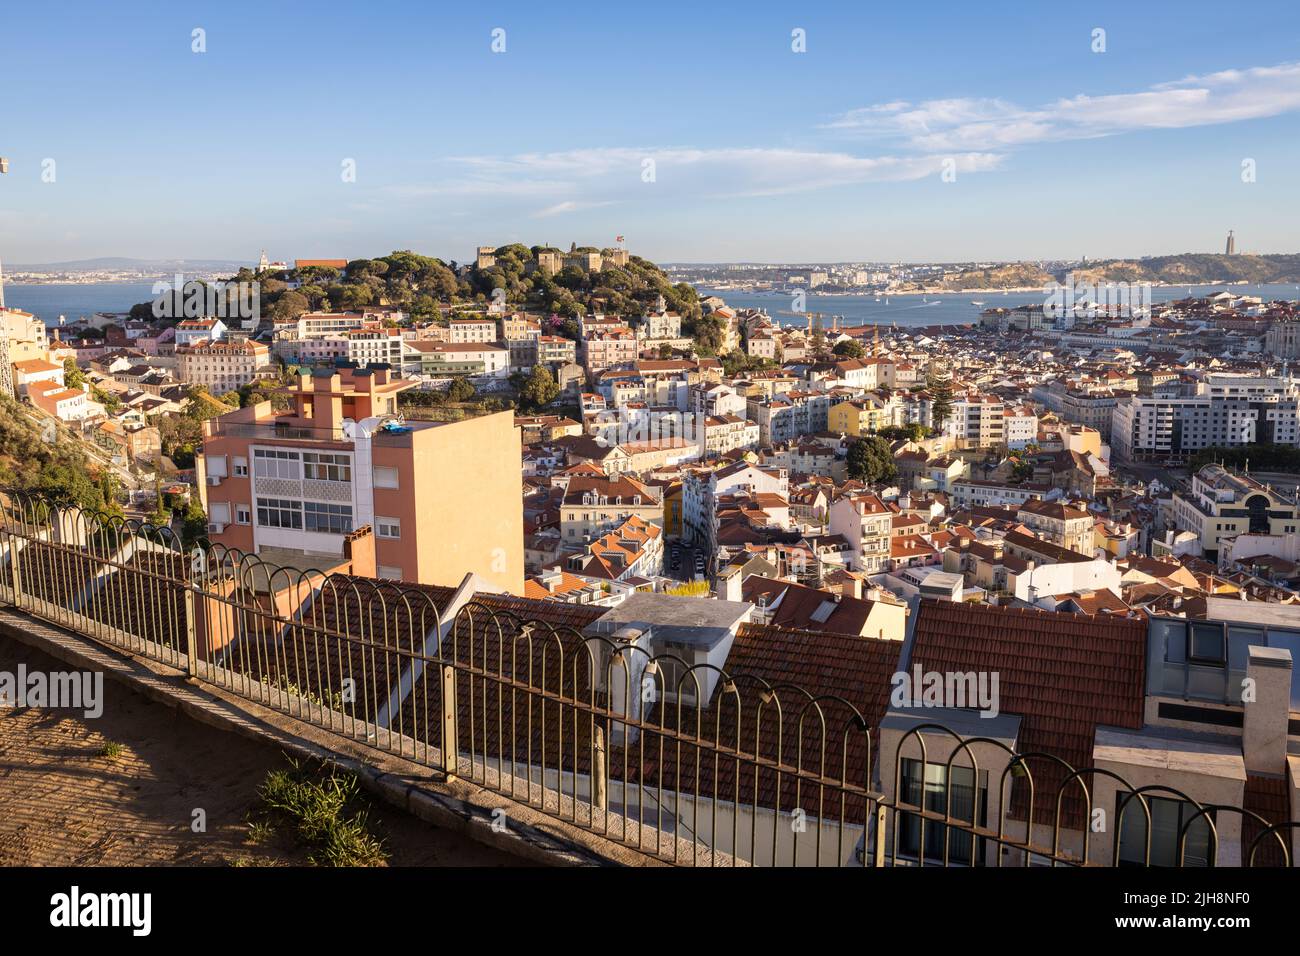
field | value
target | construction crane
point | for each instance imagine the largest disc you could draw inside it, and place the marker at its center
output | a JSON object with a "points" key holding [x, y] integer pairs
{"points": [[814, 319]]}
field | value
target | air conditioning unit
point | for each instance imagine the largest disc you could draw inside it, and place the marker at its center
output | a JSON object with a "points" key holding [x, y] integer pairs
{"points": [[214, 480], [214, 528]]}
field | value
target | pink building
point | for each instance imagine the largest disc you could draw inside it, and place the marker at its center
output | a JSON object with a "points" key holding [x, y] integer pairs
{"points": [[293, 487]]}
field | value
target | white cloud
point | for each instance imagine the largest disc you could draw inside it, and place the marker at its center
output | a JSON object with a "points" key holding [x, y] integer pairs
{"points": [[578, 179], [991, 124], [569, 205]]}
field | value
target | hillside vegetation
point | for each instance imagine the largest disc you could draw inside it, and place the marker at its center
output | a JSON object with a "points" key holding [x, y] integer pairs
{"points": [[58, 469], [419, 285]]}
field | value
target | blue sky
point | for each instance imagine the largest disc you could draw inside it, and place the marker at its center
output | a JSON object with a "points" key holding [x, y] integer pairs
{"points": [[759, 153]]}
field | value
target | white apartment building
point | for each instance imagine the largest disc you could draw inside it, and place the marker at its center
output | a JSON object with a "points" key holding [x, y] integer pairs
{"points": [[715, 398], [375, 345], [864, 521], [191, 331], [977, 421], [1020, 427], [725, 433], [790, 415], [975, 493], [468, 331], [1227, 411]]}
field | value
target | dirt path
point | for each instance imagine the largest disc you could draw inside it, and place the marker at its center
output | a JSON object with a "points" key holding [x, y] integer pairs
{"points": [[64, 800]]}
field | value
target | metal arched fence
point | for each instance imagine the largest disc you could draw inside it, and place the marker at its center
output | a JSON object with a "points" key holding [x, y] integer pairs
{"points": [[687, 762]]}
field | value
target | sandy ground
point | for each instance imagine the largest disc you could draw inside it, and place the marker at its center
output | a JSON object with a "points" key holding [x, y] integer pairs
{"points": [[63, 803]]}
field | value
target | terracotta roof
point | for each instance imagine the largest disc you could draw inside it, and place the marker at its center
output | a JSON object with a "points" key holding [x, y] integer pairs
{"points": [[1062, 674], [1270, 798], [799, 606], [848, 676]]}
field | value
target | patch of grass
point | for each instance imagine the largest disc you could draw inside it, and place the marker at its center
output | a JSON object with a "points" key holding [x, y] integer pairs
{"points": [[320, 806], [111, 749], [260, 831]]}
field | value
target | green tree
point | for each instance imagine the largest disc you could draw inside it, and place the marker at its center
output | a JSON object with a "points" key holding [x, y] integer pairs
{"points": [[73, 376], [537, 389], [194, 523], [289, 306], [870, 460], [940, 388], [460, 390], [849, 348]]}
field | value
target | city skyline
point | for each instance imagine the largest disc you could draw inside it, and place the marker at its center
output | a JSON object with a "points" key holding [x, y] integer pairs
{"points": [[759, 153]]}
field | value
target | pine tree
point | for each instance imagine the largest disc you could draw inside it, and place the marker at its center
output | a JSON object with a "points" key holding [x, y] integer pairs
{"points": [[940, 388]]}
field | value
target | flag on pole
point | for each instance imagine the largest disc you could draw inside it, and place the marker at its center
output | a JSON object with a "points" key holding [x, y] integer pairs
{"points": [[618, 238]]}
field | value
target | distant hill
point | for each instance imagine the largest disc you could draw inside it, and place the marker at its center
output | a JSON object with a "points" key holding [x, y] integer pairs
{"points": [[1191, 268], [1188, 268], [123, 263]]}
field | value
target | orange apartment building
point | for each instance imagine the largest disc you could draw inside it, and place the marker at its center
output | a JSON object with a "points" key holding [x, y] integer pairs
{"points": [[443, 499]]}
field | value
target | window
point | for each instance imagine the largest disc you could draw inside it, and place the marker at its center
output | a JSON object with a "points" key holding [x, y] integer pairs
{"points": [[1168, 817], [1207, 644], [388, 527], [326, 467], [242, 515], [217, 466], [328, 519], [241, 467], [279, 513], [934, 792], [385, 477], [389, 573], [270, 463], [220, 512]]}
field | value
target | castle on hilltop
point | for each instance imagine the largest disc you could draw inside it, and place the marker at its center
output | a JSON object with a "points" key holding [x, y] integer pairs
{"points": [[552, 260]]}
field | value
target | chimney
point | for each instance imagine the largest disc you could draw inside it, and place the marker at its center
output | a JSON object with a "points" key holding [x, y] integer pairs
{"points": [[731, 586], [326, 404], [359, 550], [1264, 731]]}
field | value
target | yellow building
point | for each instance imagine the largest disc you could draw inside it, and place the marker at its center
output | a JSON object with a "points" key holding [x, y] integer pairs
{"points": [[673, 510], [854, 417]]}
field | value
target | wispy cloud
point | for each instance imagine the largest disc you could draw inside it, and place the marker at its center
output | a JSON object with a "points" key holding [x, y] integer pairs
{"points": [[993, 124], [569, 205], [579, 179]]}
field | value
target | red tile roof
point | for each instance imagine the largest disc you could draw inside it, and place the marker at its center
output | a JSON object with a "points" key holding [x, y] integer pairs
{"points": [[1062, 674], [848, 677]]}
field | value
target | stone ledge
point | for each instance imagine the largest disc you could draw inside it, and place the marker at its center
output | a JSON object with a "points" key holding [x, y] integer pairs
{"points": [[455, 804]]}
